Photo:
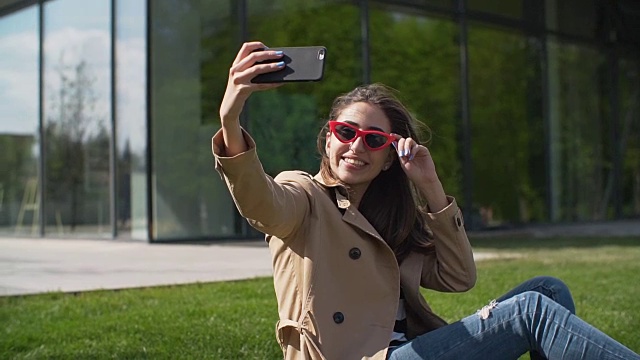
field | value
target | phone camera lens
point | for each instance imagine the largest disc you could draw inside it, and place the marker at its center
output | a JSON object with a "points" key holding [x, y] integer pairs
{"points": [[321, 54]]}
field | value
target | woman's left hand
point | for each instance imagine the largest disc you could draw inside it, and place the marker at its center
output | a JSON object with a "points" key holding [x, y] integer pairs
{"points": [[416, 161]]}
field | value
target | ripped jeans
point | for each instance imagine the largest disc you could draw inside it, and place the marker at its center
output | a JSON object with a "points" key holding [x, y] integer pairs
{"points": [[537, 316]]}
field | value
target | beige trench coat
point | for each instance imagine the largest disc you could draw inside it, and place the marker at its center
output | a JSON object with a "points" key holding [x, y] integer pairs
{"points": [[336, 281]]}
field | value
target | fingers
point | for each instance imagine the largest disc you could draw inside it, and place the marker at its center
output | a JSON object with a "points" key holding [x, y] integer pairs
{"points": [[254, 58], [406, 147], [246, 49], [241, 72]]}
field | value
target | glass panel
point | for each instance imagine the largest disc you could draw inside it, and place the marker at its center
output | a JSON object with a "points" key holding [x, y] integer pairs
{"points": [[572, 17], [77, 117], [131, 119], [630, 136], [194, 43], [580, 168], [507, 127], [444, 4], [622, 19], [511, 9], [425, 70], [285, 122], [19, 202]]}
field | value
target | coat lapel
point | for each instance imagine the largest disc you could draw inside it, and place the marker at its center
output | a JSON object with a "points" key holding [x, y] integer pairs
{"points": [[352, 216]]}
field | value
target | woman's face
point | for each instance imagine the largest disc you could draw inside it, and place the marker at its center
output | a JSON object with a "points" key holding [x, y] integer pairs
{"points": [[352, 163]]}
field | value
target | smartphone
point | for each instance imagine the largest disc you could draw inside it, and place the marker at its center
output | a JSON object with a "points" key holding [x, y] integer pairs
{"points": [[304, 63]]}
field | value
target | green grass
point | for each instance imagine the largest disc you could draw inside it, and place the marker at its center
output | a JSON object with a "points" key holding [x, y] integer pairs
{"points": [[235, 320]]}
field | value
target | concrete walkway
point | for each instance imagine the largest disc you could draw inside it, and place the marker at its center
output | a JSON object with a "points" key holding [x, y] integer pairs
{"points": [[29, 266]]}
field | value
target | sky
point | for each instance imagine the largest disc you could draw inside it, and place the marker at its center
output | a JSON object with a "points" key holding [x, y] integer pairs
{"points": [[75, 30]]}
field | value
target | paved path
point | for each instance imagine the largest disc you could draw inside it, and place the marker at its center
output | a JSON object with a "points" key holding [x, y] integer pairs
{"points": [[29, 266], [39, 265]]}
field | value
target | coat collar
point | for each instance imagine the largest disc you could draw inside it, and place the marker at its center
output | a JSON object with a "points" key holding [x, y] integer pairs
{"points": [[350, 214]]}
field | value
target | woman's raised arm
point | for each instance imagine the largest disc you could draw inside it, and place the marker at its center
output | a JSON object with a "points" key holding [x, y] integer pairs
{"points": [[240, 87]]}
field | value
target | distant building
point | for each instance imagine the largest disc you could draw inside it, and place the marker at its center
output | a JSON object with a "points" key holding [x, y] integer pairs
{"points": [[107, 107]]}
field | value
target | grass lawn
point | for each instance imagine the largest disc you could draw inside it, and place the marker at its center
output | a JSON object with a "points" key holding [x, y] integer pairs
{"points": [[236, 320]]}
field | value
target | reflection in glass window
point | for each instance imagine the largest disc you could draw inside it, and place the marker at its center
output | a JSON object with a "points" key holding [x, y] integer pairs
{"points": [[285, 122], [194, 43], [77, 117], [511, 9], [19, 146], [420, 4], [423, 65], [507, 145], [581, 173], [630, 136], [131, 119], [572, 17]]}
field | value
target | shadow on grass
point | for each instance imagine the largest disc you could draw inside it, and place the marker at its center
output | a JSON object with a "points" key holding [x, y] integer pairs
{"points": [[522, 243]]}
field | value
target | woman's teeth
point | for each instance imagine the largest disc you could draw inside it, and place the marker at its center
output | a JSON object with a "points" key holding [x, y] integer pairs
{"points": [[354, 161]]}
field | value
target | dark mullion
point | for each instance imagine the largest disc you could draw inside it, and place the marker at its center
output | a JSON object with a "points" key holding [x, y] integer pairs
{"points": [[615, 140], [149, 149], [465, 117], [241, 14], [41, 122], [113, 161], [364, 35], [546, 118]]}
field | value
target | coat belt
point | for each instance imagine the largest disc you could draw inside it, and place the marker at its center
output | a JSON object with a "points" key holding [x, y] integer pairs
{"points": [[307, 342]]}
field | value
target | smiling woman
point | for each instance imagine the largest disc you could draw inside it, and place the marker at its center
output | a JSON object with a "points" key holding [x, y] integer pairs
{"points": [[379, 213]]}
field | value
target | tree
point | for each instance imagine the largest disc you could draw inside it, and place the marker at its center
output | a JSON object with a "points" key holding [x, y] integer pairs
{"points": [[77, 144]]}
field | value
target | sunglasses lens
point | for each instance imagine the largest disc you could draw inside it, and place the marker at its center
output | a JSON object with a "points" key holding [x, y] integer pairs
{"points": [[375, 141], [345, 133]]}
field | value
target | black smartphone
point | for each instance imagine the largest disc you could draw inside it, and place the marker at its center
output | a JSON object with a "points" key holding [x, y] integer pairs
{"points": [[304, 63]]}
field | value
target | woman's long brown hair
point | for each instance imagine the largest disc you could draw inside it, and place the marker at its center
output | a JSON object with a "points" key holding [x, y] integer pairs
{"points": [[391, 203]]}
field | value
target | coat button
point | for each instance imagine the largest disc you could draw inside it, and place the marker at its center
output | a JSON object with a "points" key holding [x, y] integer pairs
{"points": [[338, 317], [355, 253], [459, 221]]}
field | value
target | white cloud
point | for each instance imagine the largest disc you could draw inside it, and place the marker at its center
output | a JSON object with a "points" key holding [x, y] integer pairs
{"points": [[69, 46], [19, 83]]}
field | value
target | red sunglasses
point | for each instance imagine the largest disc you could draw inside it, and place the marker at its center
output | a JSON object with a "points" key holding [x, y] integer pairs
{"points": [[373, 139]]}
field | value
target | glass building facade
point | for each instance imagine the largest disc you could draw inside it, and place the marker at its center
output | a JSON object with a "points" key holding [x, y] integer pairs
{"points": [[107, 107]]}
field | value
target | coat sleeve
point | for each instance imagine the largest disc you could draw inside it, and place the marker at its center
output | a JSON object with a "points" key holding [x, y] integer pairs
{"points": [[272, 206], [451, 268]]}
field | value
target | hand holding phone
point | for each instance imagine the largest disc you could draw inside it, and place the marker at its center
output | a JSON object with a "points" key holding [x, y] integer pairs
{"points": [[300, 64]]}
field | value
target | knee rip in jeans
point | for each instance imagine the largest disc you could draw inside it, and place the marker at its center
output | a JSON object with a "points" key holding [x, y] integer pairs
{"points": [[486, 310]]}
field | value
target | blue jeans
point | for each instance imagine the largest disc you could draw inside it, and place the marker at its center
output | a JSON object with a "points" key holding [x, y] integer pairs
{"points": [[537, 316]]}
